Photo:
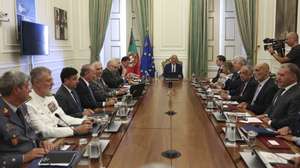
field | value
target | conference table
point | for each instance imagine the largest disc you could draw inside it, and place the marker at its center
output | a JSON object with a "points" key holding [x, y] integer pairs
{"points": [[192, 131]]}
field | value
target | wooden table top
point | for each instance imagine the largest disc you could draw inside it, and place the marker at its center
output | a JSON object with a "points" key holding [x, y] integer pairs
{"points": [[151, 132]]}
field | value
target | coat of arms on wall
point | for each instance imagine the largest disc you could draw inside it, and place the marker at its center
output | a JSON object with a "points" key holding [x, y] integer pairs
{"points": [[61, 24]]}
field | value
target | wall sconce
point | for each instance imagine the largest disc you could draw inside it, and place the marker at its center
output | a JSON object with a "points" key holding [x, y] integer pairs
{"points": [[3, 17]]}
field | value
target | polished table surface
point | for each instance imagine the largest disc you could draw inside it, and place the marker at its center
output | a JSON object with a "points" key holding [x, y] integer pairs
{"points": [[189, 131]]}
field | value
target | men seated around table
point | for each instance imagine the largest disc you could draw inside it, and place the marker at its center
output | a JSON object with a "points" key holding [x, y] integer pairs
{"points": [[83, 89], [46, 116], [286, 102], [19, 143], [220, 63], [264, 92], [66, 95], [99, 88], [111, 75], [233, 84], [173, 69], [246, 89]]}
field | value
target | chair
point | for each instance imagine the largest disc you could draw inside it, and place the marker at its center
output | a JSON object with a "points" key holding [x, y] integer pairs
{"points": [[167, 61]]}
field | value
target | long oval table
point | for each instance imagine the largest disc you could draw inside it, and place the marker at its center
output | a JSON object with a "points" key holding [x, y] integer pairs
{"points": [[189, 131]]}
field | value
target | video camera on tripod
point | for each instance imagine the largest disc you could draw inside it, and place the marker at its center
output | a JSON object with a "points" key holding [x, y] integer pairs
{"points": [[277, 45]]}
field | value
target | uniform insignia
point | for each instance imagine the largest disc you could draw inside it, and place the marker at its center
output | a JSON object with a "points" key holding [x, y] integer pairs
{"points": [[52, 107], [14, 139], [5, 112]]}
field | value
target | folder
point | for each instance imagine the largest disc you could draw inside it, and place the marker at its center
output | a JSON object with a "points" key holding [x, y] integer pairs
{"points": [[273, 142]]}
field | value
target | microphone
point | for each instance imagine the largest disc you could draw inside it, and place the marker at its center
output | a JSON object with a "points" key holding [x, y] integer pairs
{"points": [[58, 116]]}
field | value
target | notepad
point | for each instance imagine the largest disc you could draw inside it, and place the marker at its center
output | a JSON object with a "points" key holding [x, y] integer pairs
{"points": [[58, 158]]}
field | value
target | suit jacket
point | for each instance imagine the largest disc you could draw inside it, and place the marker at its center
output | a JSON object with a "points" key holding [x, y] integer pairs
{"points": [[295, 126], [284, 110], [233, 84], [67, 102], [216, 78], [168, 71], [264, 97], [248, 93], [86, 96], [11, 124], [100, 90], [112, 79]]}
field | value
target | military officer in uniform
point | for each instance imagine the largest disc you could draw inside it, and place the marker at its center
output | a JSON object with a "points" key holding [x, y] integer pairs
{"points": [[18, 142], [46, 116]]}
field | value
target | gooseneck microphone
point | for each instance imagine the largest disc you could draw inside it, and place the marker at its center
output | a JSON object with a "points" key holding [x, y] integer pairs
{"points": [[58, 116]]}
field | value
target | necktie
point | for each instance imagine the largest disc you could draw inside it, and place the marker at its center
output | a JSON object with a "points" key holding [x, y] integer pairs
{"points": [[278, 95], [75, 97], [256, 93], [20, 115], [243, 88]]}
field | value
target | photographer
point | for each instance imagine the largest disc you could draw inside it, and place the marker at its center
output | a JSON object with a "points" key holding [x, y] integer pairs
{"points": [[294, 55]]}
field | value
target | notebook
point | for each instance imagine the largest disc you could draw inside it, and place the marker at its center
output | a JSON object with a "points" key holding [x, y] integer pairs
{"points": [[58, 158]]}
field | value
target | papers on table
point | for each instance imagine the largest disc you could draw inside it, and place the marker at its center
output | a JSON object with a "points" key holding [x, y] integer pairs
{"points": [[250, 120]]}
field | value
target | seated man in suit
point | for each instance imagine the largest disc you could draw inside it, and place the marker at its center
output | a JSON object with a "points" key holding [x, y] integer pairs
{"points": [[264, 92], [83, 89], [232, 85], [221, 59], [173, 69], [19, 143], [286, 102], [111, 74], [246, 89], [66, 95], [100, 90], [46, 116]]}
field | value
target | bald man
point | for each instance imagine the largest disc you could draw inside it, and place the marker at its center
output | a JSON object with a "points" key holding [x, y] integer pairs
{"points": [[264, 92], [294, 55], [246, 89], [111, 75]]}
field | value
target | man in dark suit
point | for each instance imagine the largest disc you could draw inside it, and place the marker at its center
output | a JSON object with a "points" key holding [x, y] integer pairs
{"points": [[233, 84], [173, 69], [286, 102], [100, 90], [247, 89], [66, 95], [111, 74], [84, 91], [19, 143], [264, 91], [220, 63]]}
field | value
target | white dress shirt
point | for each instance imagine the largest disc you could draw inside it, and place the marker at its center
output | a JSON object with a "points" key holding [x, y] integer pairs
{"points": [[42, 112]]}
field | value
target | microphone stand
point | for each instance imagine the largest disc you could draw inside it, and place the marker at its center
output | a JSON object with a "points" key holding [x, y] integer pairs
{"points": [[171, 153]]}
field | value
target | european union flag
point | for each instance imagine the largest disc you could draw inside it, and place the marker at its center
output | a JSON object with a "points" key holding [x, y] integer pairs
{"points": [[147, 61]]}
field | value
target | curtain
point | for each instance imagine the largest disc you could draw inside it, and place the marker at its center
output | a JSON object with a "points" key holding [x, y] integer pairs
{"points": [[197, 46], [99, 13], [246, 16], [144, 16]]}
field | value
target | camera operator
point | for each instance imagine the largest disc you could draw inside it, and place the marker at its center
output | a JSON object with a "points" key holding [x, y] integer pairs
{"points": [[294, 55]]}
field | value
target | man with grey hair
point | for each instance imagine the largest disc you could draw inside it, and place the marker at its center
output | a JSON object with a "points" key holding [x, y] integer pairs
{"points": [[111, 75], [100, 90], [19, 143], [246, 89], [233, 84], [294, 55], [86, 95], [45, 114], [286, 102]]}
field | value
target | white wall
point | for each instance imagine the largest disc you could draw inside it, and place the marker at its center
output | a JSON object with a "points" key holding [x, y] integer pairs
{"points": [[72, 52]]}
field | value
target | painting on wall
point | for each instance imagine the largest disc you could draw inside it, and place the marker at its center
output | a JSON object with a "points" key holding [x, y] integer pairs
{"points": [[25, 10], [61, 24], [286, 17]]}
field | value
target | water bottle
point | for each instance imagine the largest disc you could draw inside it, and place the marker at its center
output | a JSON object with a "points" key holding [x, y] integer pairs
{"points": [[210, 100], [230, 132], [94, 148]]}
